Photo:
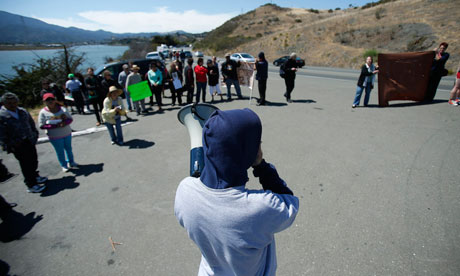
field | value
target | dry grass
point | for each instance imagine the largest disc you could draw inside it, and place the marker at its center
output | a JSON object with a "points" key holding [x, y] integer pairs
{"points": [[392, 27]]}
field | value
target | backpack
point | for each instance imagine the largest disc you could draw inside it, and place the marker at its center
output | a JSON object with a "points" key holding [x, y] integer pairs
{"points": [[282, 72]]}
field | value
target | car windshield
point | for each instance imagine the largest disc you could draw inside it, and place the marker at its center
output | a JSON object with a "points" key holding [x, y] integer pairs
{"points": [[244, 55]]}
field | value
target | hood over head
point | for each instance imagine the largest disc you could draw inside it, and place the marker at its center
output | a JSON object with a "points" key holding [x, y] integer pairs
{"points": [[231, 141]]}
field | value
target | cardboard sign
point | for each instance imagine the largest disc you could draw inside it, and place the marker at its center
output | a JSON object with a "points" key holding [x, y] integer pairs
{"points": [[139, 91]]}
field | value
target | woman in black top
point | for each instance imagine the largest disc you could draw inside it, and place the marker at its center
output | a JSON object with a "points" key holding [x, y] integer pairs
{"points": [[261, 66], [437, 70], [366, 80]]}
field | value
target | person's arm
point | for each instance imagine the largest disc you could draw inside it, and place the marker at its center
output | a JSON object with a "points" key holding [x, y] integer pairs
{"points": [[366, 72], [120, 81], [269, 178], [4, 140]]}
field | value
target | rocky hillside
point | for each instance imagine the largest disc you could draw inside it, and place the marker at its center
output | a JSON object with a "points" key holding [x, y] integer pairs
{"points": [[339, 38]]}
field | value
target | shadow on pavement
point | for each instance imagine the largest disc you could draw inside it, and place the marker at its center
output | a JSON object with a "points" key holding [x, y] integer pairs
{"points": [[417, 103], [304, 101], [54, 186], [4, 268], [87, 169], [138, 144], [15, 225], [406, 104], [267, 103]]}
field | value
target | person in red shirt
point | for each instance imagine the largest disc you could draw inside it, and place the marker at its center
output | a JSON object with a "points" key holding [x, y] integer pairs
{"points": [[201, 80], [455, 92]]}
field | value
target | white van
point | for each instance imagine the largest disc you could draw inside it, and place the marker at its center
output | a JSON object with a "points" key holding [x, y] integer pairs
{"points": [[153, 55]]}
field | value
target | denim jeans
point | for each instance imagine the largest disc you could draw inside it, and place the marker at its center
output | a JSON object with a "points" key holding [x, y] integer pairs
{"points": [[359, 92], [200, 86], [62, 145], [115, 138], [228, 83], [128, 99]]}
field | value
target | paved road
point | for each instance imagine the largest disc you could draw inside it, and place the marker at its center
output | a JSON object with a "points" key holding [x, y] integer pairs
{"points": [[378, 191]]}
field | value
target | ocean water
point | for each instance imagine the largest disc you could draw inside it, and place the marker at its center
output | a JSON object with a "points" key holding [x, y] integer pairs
{"points": [[94, 56]]}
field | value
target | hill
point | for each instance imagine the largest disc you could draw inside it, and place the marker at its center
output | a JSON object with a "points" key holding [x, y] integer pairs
{"points": [[20, 29], [339, 38]]}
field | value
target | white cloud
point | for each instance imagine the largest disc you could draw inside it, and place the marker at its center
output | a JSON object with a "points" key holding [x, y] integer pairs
{"points": [[162, 20]]}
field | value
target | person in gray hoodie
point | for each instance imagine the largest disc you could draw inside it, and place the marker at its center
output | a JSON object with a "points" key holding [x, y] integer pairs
{"points": [[234, 227]]}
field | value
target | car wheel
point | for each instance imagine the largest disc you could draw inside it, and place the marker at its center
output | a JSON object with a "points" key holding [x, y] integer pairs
{"points": [[275, 63]]}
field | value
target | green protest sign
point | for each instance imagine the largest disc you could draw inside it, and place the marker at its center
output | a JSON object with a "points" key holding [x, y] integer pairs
{"points": [[139, 91]]}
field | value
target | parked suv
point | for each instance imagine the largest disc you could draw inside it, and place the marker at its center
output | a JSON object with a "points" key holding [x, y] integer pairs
{"points": [[116, 67]]}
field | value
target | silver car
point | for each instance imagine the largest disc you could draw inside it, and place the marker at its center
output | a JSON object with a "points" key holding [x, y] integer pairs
{"points": [[245, 57]]}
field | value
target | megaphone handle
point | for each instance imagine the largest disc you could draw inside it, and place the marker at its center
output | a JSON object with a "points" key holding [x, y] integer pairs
{"points": [[196, 161]]}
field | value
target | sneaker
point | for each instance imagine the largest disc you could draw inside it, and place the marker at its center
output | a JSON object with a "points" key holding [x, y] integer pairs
{"points": [[113, 143], [73, 165], [41, 179], [36, 189], [453, 102], [65, 169], [120, 143], [289, 101], [98, 124], [353, 106]]}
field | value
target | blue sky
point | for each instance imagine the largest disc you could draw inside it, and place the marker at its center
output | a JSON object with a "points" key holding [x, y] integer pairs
{"points": [[150, 16]]}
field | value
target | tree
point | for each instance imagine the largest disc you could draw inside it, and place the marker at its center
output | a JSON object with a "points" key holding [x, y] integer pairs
{"points": [[27, 82]]}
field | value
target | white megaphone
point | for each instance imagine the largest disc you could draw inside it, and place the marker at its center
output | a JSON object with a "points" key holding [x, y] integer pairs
{"points": [[194, 116]]}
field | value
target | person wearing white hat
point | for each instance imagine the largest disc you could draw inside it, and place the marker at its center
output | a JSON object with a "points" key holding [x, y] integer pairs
{"points": [[112, 112], [134, 78]]}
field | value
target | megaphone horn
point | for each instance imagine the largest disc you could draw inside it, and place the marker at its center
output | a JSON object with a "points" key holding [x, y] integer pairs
{"points": [[194, 116]]}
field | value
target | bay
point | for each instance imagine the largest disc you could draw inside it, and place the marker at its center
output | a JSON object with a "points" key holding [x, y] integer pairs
{"points": [[94, 56]]}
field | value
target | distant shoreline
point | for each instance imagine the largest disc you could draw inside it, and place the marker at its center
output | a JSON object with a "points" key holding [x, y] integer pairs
{"points": [[35, 47], [27, 47]]}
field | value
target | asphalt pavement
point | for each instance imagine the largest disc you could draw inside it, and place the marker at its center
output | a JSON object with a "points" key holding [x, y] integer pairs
{"points": [[378, 187]]}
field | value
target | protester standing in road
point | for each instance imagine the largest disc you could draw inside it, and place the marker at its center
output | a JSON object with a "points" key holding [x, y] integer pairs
{"points": [[93, 88], [189, 80], [213, 80], [73, 86], [174, 78], [134, 78], [111, 114], [56, 121], [201, 80], [230, 75], [235, 227], [18, 135], [290, 69], [122, 82], [365, 81], [155, 77], [261, 67], [438, 71]]}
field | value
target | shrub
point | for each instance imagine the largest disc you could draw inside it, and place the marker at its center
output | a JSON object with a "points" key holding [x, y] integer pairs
{"points": [[372, 53], [330, 11], [258, 35], [379, 13], [298, 21], [27, 83], [337, 9], [314, 11]]}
